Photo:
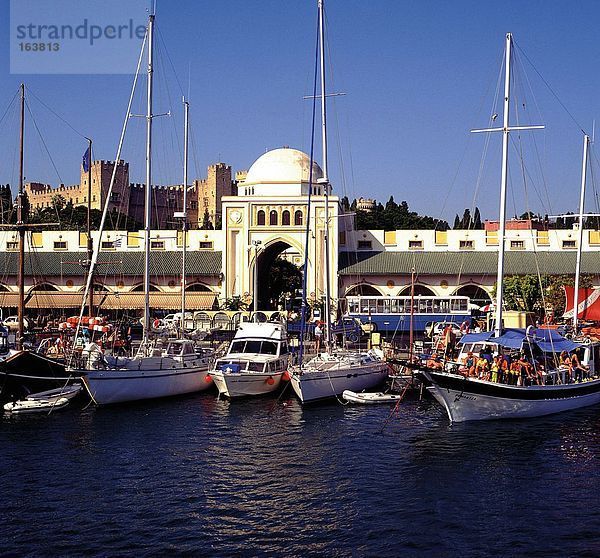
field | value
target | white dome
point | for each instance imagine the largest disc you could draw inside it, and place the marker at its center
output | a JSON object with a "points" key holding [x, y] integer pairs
{"points": [[282, 165]]}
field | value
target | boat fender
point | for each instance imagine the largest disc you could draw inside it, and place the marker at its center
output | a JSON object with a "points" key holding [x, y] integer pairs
{"points": [[208, 379], [286, 376], [270, 380]]}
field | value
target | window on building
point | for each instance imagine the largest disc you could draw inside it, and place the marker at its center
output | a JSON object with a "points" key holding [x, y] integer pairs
{"points": [[285, 217], [517, 245], [415, 245], [157, 244], [365, 245], [260, 217], [60, 245], [12, 245], [107, 245], [206, 245], [466, 245], [569, 244], [298, 218], [273, 217]]}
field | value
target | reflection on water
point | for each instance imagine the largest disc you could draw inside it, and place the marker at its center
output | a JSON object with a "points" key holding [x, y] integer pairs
{"points": [[262, 477]]}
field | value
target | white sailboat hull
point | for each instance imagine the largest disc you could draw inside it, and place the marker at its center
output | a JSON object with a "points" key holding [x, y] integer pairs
{"points": [[465, 402], [244, 384], [316, 385], [119, 386]]}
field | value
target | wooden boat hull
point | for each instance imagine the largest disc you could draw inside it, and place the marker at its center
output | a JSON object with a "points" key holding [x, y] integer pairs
{"points": [[468, 399]]}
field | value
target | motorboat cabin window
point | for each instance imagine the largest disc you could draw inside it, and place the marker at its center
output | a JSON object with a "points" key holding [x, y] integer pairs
{"points": [[256, 366], [284, 349], [254, 346]]}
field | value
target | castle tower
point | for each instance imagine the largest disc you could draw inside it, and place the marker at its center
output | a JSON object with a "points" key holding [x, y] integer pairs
{"points": [[208, 192], [101, 175]]}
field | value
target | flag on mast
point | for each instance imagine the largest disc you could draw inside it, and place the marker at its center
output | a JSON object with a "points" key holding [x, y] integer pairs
{"points": [[86, 160]]}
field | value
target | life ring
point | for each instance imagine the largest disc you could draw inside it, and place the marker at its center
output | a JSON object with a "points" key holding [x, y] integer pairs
{"points": [[156, 323]]}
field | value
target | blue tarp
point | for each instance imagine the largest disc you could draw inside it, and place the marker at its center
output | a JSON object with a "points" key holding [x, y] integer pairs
{"points": [[548, 340]]}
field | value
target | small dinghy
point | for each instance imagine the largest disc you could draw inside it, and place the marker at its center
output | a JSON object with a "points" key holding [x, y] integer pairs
{"points": [[44, 401], [370, 398], [26, 406], [67, 392]]}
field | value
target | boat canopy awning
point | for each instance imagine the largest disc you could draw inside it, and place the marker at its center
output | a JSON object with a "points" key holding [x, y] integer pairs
{"points": [[547, 340]]}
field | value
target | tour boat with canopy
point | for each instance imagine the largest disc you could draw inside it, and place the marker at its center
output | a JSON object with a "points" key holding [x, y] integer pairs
{"points": [[469, 395]]}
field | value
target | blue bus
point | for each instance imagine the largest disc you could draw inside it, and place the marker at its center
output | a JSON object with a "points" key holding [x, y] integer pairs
{"points": [[391, 314]]}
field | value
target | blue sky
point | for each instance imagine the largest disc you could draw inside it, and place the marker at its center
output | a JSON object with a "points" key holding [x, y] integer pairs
{"points": [[417, 77]]}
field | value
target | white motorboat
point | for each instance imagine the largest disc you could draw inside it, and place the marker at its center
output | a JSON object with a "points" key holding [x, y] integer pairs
{"points": [[255, 363], [366, 398], [27, 406], [154, 372]]}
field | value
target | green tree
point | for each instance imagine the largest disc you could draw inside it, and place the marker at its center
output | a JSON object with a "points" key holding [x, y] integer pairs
{"points": [[206, 223], [284, 278], [456, 222]]}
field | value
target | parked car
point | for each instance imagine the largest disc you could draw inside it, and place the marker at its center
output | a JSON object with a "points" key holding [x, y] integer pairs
{"points": [[12, 323]]}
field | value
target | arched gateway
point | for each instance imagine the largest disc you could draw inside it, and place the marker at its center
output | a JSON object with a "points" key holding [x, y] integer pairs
{"points": [[269, 216]]}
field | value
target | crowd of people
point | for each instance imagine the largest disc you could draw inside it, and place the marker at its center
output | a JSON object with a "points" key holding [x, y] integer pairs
{"points": [[516, 369]]}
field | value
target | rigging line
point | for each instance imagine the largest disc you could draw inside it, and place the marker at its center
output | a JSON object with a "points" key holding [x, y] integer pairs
{"points": [[43, 142], [9, 106], [550, 88], [63, 120], [169, 59], [488, 136], [521, 69]]}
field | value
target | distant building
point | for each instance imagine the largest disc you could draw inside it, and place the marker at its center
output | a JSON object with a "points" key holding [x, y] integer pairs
{"points": [[365, 204], [203, 195]]}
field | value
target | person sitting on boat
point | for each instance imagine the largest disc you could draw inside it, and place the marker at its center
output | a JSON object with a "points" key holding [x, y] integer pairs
{"points": [[502, 369], [578, 370], [435, 362], [513, 373], [482, 366], [565, 364], [468, 367], [523, 375]]}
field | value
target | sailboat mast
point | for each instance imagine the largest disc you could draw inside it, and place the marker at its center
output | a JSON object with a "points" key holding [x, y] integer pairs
{"points": [[184, 226], [90, 242], [325, 175], [21, 229], [502, 218], [586, 144], [148, 191]]}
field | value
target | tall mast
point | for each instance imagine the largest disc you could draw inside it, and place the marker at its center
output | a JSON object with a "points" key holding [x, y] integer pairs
{"points": [[325, 179], [506, 129], [502, 217], [184, 226], [21, 228], [90, 242], [586, 144], [148, 191]]}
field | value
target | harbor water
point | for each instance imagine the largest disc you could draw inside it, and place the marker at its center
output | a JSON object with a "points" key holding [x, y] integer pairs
{"points": [[203, 477]]}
